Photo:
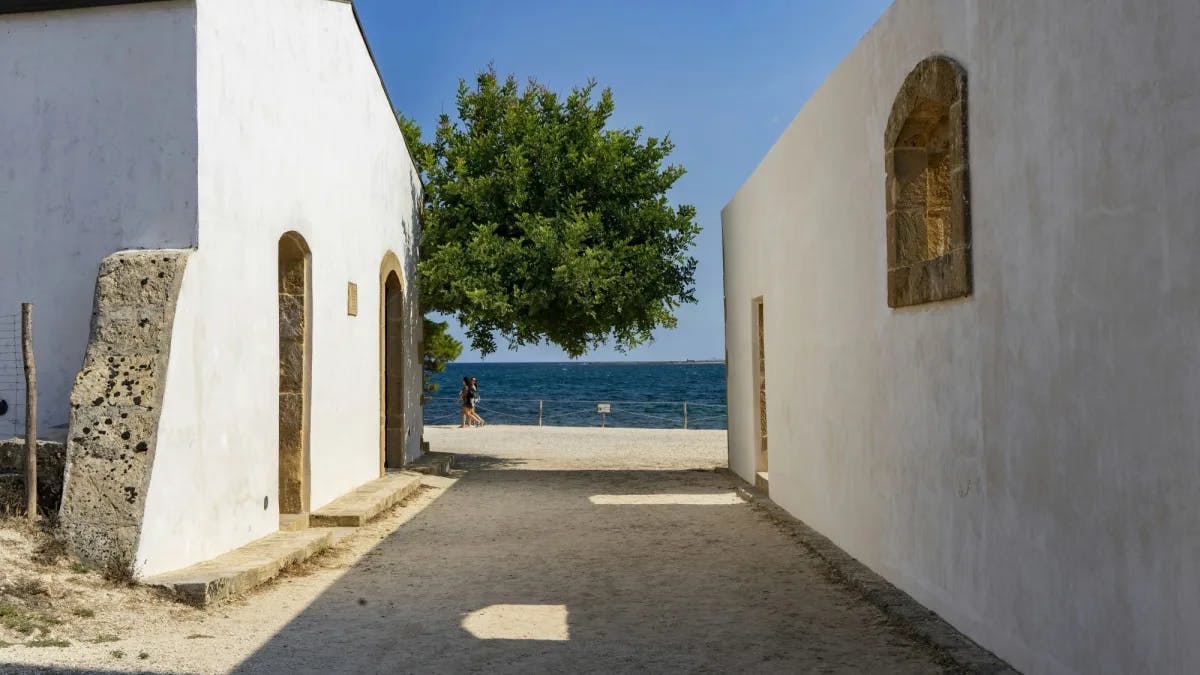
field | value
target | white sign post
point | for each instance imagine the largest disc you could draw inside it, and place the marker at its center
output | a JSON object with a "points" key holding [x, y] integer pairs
{"points": [[605, 409]]}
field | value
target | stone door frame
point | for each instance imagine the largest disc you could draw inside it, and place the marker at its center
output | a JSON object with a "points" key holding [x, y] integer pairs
{"points": [[295, 373], [392, 424]]}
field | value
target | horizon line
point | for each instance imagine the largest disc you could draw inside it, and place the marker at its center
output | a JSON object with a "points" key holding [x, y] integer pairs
{"points": [[671, 361]]}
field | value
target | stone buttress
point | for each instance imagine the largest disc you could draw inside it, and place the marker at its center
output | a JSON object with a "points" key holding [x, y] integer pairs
{"points": [[115, 406]]}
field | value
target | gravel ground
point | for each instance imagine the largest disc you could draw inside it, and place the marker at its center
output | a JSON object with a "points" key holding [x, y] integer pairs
{"points": [[555, 550]]}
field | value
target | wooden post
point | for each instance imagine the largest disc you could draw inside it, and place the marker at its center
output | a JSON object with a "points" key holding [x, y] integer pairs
{"points": [[539, 413], [685, 414], [30, 412]]}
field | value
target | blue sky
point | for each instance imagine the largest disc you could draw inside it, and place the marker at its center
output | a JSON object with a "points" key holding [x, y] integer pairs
{"points": [[723, 78]]}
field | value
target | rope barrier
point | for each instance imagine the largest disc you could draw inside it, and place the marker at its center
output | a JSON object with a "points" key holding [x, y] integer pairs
{"points": [[549, 411], [591, 402]]}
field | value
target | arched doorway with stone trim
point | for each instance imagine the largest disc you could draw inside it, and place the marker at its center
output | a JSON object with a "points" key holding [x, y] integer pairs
{"points": [[391, 361], [759, 349], [295, 366]]}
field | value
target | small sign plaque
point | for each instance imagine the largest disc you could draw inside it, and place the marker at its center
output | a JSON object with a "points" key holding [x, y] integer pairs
{"points": [[604, 408], [352, 298]]}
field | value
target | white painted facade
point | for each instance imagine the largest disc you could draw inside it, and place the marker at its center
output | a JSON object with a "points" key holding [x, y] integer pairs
{"points": [[283, 126], [1023, 461], [97, 154]]}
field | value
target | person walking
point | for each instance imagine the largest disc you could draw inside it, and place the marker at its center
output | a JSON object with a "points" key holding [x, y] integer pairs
{"points": [[465, 395], [473, 385], [469, 395]]}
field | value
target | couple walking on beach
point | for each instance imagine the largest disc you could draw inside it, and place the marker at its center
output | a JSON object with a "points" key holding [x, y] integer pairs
{"points": [[470, 399]]}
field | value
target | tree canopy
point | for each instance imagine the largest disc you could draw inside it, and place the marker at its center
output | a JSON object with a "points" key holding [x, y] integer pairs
{"points": [[542, 224], [440, 349]]}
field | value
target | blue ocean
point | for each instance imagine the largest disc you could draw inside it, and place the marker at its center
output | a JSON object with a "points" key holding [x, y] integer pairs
{"points": [[640, 394]]}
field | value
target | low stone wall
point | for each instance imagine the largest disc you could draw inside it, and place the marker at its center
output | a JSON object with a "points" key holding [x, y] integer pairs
{"points": [[51, 462], [116, 403]]}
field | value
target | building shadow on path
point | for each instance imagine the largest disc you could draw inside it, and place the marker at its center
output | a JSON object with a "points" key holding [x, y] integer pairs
{"points": [[582, 572]]}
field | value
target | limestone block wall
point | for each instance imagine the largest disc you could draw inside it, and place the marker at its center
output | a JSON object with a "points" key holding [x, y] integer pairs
{"points": [[116, 403]]}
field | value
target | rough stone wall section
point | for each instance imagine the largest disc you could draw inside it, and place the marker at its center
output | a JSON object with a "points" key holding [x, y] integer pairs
{"points": [[51, 458], [115, 405]]}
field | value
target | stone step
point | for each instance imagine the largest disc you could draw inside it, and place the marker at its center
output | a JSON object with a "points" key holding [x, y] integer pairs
{"points": [[762, 481], [290, 522], [244, 568], [433, 464], [358, 506]]}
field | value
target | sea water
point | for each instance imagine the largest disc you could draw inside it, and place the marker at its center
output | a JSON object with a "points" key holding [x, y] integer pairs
{"points": [[640, 394]]}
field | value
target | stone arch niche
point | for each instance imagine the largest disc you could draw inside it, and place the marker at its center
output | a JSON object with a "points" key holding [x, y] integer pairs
{"points": [[295, 366], [391, 360], [928, 215]]}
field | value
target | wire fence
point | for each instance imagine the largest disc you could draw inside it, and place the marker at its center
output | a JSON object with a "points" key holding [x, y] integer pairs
{"points": [[12, 377], [583, 413]]}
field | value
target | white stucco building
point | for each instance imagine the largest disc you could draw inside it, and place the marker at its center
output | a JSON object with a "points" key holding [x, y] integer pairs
{"points": [[235, 170], [966, 336]]}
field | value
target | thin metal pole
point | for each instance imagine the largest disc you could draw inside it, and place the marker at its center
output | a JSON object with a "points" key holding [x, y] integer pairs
{"points": [[685, 414], [30, 412], [539, 413]]}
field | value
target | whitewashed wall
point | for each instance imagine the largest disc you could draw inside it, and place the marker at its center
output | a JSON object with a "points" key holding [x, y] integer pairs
{"points": [[296, 134], [97, 155], [1023, 461]]}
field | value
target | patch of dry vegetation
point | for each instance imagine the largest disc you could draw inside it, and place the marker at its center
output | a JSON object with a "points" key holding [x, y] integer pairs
{"points": [[47, 599]]}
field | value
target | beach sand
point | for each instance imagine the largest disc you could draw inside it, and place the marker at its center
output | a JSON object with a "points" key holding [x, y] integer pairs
{"points": [[551, 448]]}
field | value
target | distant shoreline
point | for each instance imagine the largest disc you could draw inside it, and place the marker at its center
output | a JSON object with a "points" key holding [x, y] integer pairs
{"points": [[700, 362]]}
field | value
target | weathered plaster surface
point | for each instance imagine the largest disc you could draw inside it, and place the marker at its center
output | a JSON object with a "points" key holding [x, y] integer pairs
{"points": [[97, 155], [116, 403], [1022, 461]]}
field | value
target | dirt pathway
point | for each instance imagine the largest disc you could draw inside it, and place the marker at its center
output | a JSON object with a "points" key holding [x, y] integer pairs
{"points": [[513, 570]]}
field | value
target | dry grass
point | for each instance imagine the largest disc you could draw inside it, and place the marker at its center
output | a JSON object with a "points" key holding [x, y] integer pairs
{"points": [[110, 624], [48, 642], [25, 622], [50, 550], [48, 599], [26, 588]]}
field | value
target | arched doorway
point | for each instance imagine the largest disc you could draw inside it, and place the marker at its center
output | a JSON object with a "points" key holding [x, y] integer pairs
{"points": [[761, 480], [392, 363], [295, 358]]}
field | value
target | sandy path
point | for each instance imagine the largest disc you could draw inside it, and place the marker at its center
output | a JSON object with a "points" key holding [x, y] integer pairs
{"points": [[529, 447], [602, 569]]}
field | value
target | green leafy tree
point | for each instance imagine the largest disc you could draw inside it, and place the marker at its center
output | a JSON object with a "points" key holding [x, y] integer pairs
{"points": [[542, 224], [440, 348]]}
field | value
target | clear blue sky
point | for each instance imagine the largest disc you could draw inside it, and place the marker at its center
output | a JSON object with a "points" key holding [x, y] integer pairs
{"points": [[722, 77]]}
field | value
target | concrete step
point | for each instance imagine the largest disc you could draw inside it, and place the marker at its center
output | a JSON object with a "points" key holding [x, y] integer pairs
{"points": [[762, 482], [358, 506], [433, 464], [244, 568]]}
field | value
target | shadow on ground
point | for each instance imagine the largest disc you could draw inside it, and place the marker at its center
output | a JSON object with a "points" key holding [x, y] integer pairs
{"points": [[596, 587]]}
